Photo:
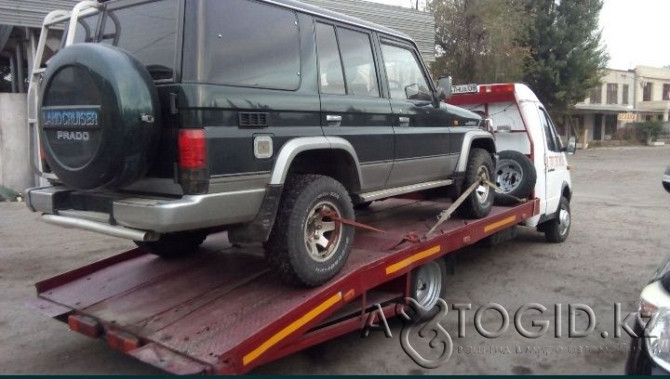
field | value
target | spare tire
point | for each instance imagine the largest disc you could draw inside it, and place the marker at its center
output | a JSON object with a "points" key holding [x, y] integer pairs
{"points": [[515, 176], [99, 117]]}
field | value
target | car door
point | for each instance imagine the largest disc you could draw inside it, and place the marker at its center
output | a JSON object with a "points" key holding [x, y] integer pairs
{"points": [[422, 151], [351, 103], [555, 163]]}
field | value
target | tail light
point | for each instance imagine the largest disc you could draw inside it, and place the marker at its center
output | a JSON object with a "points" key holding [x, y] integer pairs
{"points": [[497, 88], [193, 173]]}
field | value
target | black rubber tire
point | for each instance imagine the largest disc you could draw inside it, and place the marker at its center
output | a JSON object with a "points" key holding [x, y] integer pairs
{"points": [[172, 245], [552, 228], [414, 287], [472, 207], [666, 185], [99, 117], [526, 181], [286, 250]]}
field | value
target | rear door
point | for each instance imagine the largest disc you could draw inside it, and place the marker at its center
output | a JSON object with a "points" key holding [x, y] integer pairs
{"points": [[352, 106], [556, 165]]}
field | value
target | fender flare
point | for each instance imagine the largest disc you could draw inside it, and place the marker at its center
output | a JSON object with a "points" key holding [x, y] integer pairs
{"points": [[292, 148], [468, 139]]}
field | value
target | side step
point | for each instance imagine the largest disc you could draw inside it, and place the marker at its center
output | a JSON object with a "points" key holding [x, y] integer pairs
{"points": [[382, 194]]}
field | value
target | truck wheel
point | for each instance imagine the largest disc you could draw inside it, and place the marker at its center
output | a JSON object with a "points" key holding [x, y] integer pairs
{"points": [[428, 284], [515, 176], [558, 229], [172, 245], [306, 247], [480, 202]]}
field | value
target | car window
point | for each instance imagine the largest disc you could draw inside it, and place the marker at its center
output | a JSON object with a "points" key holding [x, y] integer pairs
{"points": [[149, 32], [244, 43], [359, 65], [553, 142], [404, 74], [331, 78]]}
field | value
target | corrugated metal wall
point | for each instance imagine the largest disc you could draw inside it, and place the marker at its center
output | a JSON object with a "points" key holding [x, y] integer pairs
{"points": [[419, 25], [30, 12]]}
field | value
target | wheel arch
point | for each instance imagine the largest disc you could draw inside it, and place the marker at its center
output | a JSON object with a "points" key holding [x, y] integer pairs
{"points": [[331, 156], [566, 191], [475, 139]]}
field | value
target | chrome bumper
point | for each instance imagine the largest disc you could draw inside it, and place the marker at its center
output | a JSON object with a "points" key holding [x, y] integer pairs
{"points": [[158, 215]]}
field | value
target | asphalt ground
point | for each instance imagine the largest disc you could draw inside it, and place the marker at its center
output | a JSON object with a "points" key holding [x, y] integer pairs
{"points": [[620, 232]]}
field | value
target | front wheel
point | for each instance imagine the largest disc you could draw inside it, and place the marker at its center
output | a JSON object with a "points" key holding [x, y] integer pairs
{"points": [[558, 229], [479, 169], [306, 246], [428, 285]]}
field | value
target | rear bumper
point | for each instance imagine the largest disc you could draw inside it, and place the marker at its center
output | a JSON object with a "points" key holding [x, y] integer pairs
{"points": [[154, 214]]}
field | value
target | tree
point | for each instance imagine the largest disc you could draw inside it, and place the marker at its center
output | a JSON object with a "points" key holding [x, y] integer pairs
{"points": [[480, 41], [566, 56]]}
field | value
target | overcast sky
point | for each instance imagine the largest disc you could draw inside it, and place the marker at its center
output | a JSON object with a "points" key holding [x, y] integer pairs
{"points": [[634, 31]]}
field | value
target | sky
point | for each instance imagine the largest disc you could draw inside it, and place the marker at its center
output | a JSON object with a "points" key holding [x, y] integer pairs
{"points": [[633, 31]]}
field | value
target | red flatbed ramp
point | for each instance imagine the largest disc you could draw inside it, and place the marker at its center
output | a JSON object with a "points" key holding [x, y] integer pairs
{"points": [[223, 311]]}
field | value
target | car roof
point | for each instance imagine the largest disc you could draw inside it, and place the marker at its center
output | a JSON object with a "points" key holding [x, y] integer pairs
{"points": [[336, 16]]}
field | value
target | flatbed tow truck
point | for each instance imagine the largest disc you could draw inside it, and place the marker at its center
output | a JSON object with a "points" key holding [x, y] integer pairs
{"points": [[222, 311]]}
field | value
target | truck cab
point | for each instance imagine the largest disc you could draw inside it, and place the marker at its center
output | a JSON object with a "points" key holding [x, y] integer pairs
{"points": [[522, 123]]}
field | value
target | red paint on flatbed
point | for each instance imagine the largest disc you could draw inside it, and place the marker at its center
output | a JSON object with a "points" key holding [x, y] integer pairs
{"points": [[204, 313]]}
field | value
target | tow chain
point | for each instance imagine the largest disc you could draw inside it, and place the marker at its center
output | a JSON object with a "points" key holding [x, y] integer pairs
{"points": [[442, 217]]}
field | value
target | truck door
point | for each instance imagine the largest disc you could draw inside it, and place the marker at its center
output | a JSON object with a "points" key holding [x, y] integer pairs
{"points": [[555, 163]]}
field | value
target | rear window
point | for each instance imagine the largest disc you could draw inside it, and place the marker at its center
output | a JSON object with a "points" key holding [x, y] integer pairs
{"points": [[242, 43], [149, 32]]}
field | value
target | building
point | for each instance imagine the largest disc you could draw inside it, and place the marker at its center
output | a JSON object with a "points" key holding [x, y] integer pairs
{"points": [[599, 113], [623, 97]]}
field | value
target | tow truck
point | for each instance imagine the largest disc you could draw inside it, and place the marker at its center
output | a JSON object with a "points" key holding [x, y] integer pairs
{"points": [[222, 311]]}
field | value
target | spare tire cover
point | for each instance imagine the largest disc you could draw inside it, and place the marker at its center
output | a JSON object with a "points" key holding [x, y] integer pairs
{"points": [[99, 117]]}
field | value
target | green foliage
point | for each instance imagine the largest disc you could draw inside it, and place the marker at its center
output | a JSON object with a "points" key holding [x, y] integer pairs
{"points": [[566, 58], [478, 40], [649, 131]]}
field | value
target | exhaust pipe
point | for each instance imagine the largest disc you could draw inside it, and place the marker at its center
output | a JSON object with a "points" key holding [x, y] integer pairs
{"points": [[110, 230]]}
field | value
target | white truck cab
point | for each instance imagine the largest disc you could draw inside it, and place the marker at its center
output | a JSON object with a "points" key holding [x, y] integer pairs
{"points": [[522, 123]]}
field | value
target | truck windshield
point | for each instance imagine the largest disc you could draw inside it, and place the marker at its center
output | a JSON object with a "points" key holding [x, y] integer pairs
{"points": [[148, 32]]}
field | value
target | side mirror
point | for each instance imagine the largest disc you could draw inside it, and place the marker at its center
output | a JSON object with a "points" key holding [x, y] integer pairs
{"points": [[572, 146], [444, 88]]}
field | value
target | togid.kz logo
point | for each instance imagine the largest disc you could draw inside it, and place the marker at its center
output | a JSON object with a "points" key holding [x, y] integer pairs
{"points": [[417, 322], [530, 321]]}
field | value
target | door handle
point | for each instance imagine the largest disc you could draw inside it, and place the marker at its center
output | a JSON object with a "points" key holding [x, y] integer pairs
{"points": [[404, 121], [333, 120], [551, 170]]}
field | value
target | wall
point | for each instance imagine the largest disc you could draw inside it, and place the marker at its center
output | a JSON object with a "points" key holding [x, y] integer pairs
{"points": [[15, 167]]}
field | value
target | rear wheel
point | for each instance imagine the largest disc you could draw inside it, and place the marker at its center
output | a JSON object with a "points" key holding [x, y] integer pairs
{"points": [[558, 229], [306, 247], [173, 245], [479, 169]]}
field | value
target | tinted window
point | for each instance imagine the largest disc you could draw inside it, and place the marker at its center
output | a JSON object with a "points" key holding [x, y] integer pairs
{"points": [[359, 65], [245, 43], [405, 77], [330, 67], [148, 32]]}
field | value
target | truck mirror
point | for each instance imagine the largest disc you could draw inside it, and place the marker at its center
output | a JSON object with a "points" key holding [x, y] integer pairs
{"points": [[444, 88], [572, 146]]}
